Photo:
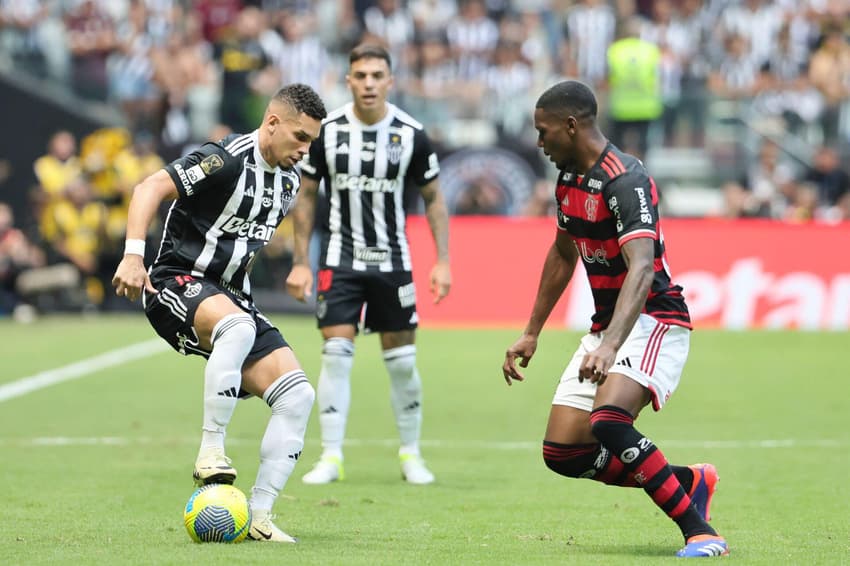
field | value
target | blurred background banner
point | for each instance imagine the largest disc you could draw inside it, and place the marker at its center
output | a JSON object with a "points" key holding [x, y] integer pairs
{"points": [[736, 274]]}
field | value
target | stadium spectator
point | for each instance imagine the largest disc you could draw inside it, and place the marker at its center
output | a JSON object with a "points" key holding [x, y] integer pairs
{"points": [[829, 71], [784, 88], [766, 188], [635, 98], [472, 37], [17, 255], [81, 237], [217, 18], [185, 71], [130, 69], [298, 53], [590, 29], [830, 180], [91, 39], [54, 171], [367, 152], [638, 340], [242, 59], [198, 294]]}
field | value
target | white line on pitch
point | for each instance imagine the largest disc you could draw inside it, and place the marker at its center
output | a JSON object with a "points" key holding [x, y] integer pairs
{"points": [[446, 444], [81, 368]]}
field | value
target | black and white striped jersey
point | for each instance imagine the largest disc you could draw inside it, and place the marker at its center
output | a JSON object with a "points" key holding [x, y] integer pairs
{"points": [[230, 204], [365, 169]]}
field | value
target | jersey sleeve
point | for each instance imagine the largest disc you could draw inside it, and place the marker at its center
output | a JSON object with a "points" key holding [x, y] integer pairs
{"points": [[205, 167], [424, 165], [632, 200], [314, 164]]}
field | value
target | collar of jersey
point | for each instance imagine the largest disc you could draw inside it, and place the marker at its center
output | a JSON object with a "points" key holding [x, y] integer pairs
{"points": [[353, 119], [258, 157]]}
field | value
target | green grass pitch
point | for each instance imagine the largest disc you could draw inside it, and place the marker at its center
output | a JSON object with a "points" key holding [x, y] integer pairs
{"points": [[96, 470]]}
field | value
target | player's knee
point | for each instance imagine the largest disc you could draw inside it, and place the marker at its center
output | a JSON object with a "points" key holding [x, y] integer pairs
{"points": [[569, 460], [234, 328], [609, 421], [401, 361], [338, 346], [298, 401]]}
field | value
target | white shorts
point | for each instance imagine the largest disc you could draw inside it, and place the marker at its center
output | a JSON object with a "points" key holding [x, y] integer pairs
{"points": [[653, 354]]}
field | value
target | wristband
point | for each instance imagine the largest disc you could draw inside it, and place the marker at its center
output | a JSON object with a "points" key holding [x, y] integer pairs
{"points": [[135, 247]]}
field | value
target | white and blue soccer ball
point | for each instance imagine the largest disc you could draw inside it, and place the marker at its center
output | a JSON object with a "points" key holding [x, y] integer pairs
{"points": [[217, 513]]}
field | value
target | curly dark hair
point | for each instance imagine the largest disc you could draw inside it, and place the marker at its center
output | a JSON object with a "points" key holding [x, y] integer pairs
{"points": [[303, 99]]}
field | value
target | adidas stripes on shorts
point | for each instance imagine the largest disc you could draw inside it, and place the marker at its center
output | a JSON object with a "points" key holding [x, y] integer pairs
{"points": [[171, 312], [653, 355]]}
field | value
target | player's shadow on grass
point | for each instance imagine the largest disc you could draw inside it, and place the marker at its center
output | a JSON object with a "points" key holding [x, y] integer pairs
{"points": [[632, 550]]}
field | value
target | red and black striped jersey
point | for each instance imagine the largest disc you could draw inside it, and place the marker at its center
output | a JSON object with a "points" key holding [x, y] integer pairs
{"points": [[614, 202]]}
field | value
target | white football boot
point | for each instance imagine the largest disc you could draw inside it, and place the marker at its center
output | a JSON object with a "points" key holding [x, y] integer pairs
{"points": [[264, 530], [414, 471], [213, 467], [328, 469]]}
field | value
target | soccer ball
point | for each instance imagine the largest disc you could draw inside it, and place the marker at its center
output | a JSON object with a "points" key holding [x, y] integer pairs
{"points": [[217, 513]]}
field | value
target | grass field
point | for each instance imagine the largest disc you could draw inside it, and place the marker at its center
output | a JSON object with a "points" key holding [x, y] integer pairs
{"points": [[96, 470]]}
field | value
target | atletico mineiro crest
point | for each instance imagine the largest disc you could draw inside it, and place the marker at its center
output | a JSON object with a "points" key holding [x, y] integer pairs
{"points": [[394, 149]]}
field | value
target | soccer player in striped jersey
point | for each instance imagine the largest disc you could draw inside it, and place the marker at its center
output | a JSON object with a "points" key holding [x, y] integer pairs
{"points": [[638, 341], [367, 152], [229, 198]]}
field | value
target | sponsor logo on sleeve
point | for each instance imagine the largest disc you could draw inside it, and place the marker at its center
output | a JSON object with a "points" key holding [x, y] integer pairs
{"points": [[184, 179]]}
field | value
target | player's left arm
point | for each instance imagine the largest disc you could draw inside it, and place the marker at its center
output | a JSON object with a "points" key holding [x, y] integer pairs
{"points": [[438, 220], [630, 199], [424, 171]]}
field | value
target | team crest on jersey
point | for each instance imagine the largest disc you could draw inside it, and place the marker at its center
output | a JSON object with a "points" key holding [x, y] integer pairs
{"points": [[590, 206], [211, 163], [394, 149]]}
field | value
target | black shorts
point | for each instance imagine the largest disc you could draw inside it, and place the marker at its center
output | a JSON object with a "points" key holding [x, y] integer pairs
{"points": [[386, 302], [171, 312]]}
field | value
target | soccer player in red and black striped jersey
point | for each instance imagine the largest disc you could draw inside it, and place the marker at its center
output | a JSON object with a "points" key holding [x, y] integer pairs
{"points": [[639, 337]]}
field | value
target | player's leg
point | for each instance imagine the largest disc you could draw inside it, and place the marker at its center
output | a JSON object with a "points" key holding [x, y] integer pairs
{"points": [[406, 399], [277, 378], [339, 304], [391, 310], [571, 449], [227, 333], [648, 369]]}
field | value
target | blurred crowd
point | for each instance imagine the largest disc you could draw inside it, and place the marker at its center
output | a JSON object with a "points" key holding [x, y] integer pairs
{"points": [[185, 71]]}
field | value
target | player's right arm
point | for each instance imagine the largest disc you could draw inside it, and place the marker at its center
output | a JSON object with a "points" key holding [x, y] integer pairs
{"points": [[131, 276], [558, 268], [299, 282]]}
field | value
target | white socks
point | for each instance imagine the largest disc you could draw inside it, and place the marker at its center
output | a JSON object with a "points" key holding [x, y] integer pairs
{"points": [[232, 340], [405, 395], [334, 393], [291, 398]]}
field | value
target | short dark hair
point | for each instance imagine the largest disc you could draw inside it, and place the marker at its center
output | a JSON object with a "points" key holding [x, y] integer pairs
{"points": [[569, 98], [370, 51], [303, 99]]}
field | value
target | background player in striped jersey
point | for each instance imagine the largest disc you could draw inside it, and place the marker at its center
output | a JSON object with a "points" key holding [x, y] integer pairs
{"points": [[230, 198], [639, 337], [367, 152]]}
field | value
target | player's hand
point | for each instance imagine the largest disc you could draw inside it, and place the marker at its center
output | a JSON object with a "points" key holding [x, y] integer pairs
{"points": [[131, 277], [595, 365], [299, 283], [524, 349], [441, 280]]}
